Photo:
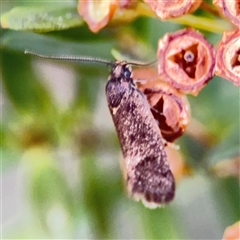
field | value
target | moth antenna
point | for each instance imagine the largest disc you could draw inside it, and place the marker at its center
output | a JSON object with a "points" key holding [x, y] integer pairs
{"points": [[72, 58]]}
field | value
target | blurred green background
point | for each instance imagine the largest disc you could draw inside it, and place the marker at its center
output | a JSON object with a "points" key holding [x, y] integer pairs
{"points": [[60, 153]]}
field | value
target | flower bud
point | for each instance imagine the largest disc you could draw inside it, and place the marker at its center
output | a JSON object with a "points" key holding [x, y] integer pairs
{"points": [[230, 9], [186, 60], [97, 14], [228, 57], [232, 232], [169, 107], [171, 9]]}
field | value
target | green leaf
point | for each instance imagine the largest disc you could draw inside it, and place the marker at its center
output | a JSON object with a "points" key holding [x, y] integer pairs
{"points": [[226, 149], [224, 158], [50, 45], [48, 188], [42, 18], [217, 108]]}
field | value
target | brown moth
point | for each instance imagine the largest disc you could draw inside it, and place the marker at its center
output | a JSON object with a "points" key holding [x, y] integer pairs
{"points": [[149, 177]]}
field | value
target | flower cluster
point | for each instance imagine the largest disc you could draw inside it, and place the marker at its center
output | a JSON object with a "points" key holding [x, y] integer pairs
{"points": [[186, 60]]}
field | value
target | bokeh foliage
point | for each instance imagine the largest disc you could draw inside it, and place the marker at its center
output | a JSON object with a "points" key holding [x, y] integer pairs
{"points": [[63, 157]]}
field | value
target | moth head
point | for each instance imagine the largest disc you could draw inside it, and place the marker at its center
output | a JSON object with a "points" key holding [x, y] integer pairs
{"points": [[122, 70]]}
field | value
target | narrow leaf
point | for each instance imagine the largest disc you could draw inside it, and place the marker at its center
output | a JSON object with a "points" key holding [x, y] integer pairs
{"points": [[41, 19]]}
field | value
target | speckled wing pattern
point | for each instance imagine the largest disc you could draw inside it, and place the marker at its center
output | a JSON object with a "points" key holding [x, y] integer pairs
{"points": [[149, 177]]}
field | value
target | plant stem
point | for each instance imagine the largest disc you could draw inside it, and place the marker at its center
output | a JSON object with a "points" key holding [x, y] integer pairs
{"points": [[211, 25]]}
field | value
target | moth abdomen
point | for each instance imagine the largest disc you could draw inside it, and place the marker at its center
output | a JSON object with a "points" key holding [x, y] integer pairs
{"points": [[154, 181]]}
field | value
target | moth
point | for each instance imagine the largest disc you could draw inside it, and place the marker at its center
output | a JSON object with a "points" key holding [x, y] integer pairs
{"points": [[148, 176]]}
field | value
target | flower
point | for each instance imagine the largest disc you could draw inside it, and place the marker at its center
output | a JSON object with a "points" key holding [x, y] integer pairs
{"points": [[228, 57], [186, 60], [172, 9]]}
